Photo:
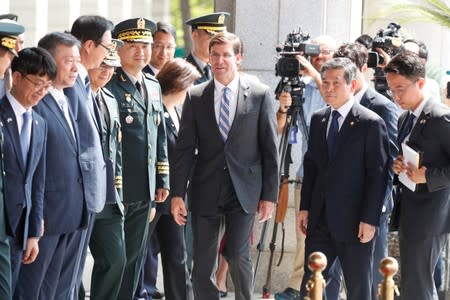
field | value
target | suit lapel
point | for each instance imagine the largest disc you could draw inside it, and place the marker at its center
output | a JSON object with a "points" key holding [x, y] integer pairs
{"points": [[209, 110], [323, 132], [12, 129], [420, 123], [36, 135], [241, 107], [170, 125]]}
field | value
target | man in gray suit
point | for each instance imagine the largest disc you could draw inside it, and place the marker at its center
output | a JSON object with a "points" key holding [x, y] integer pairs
{"points": [[230, 121], [424, 211]]}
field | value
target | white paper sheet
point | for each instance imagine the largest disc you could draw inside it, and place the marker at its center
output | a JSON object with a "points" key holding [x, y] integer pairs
{"points": [[409, 156]]}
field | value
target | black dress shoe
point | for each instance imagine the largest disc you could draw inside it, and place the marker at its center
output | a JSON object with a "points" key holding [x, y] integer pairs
{"points": [[157, 295], [223, 294]]}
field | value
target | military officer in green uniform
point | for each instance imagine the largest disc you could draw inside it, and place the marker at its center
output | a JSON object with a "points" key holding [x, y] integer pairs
{"points": [[145, 167], [8, 39], [107, 241]]}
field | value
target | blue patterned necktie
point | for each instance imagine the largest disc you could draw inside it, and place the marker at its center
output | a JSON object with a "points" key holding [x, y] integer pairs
{"points": [[333, 132], [25, 135], [224, 114], [406, 129]]}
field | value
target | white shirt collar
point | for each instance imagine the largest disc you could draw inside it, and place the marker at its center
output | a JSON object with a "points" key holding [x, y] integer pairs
{"points": [[345, 108], [18, 109]]}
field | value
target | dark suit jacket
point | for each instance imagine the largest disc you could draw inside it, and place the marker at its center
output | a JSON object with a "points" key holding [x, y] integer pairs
{"points": [[192, 60], [144, 148], [24, 181], [92, 163], [426, 212], [350, 187], [389, 112], [64, 203], [250, 152]]}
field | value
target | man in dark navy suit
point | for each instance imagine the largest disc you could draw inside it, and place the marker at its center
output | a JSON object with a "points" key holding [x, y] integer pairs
{"points": [[388, 111], [345, 178], [8, 39], [65, 214], [24, 151], [424, 222]]}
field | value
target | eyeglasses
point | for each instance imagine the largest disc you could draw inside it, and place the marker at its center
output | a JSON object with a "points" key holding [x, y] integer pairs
{"points": [[105, 47], [397, 92], [159, 46], [326, 51], [38, 86]]}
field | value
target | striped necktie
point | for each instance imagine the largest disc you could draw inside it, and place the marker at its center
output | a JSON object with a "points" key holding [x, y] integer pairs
{"points": [[224, 114]]}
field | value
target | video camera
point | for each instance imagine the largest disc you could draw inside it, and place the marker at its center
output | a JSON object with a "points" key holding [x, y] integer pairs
{"points": [[295, 44], [387, 39]]}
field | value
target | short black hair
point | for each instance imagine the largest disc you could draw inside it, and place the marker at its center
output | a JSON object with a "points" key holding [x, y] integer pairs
{"points": [[407, 64], [365, 40], [34, 61], [91, 27], [356, 52], [165, 28], [423, 50], [340, 63], [52, 40]]}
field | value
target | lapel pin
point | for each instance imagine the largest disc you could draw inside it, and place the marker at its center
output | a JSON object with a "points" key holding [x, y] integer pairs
{"points": [[352, 123], [36, 122], [423, 121], [123, 79], [166, 115], [9, 120], [128, 97], [324, 119]]}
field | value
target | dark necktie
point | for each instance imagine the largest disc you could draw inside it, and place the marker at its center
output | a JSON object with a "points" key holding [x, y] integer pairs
{"points": [[207, 71], [333, 132], [406, 129], [139, 88], [25, 135]]}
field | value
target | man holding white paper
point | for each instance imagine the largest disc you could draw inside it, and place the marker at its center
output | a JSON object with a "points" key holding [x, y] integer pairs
{"points": [[424, 211]]}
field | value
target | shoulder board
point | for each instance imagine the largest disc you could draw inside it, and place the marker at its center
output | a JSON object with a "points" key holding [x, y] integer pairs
{"points": [[107, 92], [149, 76]]}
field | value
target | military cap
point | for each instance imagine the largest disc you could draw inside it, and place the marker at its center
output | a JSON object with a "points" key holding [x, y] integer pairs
{"points": [[112, 59], [8, 35], [12, 17], [135, 30], [212, 23]]}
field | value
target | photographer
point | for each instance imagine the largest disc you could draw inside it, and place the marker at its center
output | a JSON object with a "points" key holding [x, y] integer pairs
{"points": [[312, 102]]}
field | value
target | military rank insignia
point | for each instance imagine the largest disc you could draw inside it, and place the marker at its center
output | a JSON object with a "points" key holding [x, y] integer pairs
{"points": [[128, 97]]}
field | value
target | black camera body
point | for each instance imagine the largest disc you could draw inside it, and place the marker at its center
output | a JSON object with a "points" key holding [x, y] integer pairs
{"points": [[295, 44], [387, 39]]}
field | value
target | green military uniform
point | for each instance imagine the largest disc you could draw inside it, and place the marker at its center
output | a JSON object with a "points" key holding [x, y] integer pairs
{"points": [[107, 241], [8, 38], [145, 164]]}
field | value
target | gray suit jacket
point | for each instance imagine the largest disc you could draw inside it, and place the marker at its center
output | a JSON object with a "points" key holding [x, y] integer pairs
{"points": [[250, 152], [425, 212]]}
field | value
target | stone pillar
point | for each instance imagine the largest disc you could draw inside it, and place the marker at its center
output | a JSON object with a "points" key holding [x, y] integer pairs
{"points": [[262, 26]]}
